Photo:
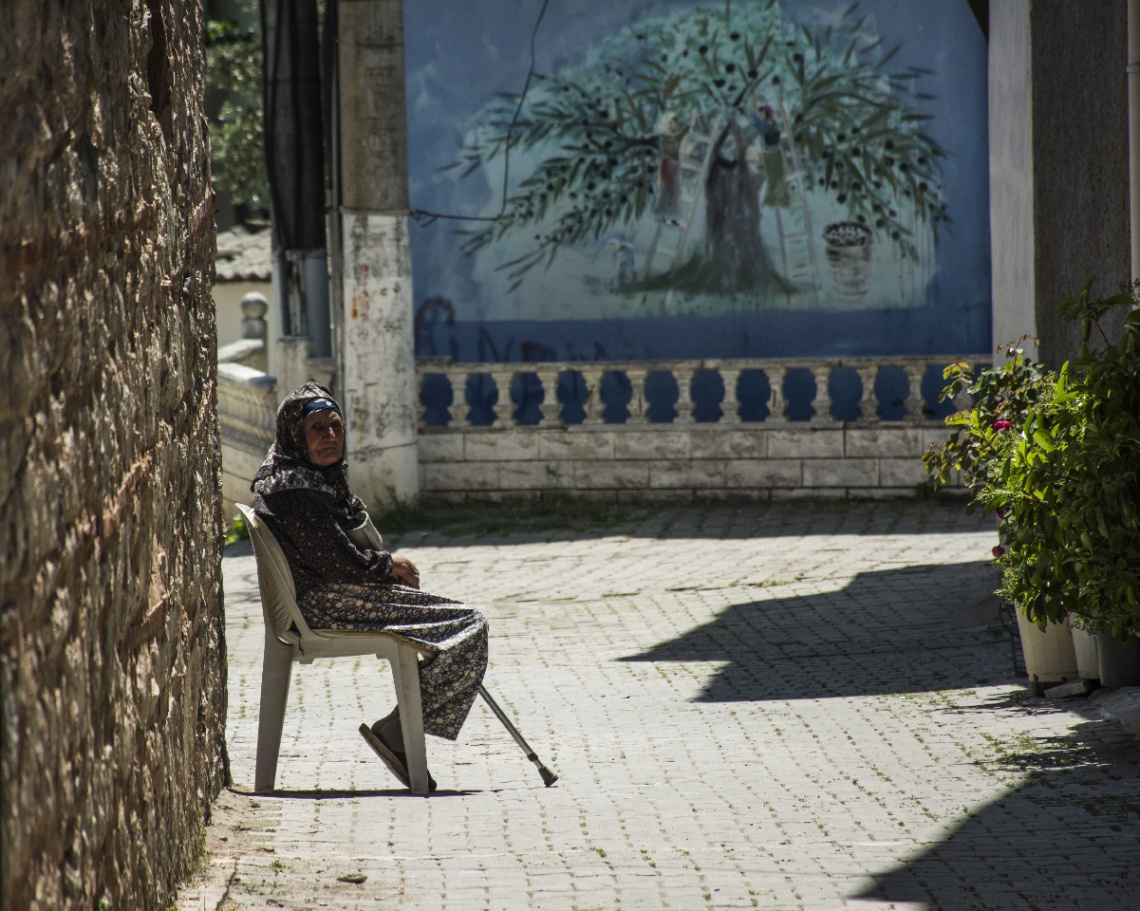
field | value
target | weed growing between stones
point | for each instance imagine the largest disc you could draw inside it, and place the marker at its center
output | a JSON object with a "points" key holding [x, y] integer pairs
{"points": [[237, 530]]}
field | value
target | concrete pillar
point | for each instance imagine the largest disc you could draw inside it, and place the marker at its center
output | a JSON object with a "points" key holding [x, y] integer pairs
{"points": [[1059, 206], [1011, 174], [292, 363], [377, 360]]}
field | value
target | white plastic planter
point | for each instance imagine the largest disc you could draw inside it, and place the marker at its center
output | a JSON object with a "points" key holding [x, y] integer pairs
{"points": [[1084, 647], [1049, 655]]}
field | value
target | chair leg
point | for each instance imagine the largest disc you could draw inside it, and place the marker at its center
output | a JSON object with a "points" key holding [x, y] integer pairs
{"points": [[406, 673], [276, 669]]}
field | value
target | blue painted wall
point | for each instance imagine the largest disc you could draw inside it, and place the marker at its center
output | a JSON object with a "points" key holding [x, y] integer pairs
{"points": [[603, 296]]}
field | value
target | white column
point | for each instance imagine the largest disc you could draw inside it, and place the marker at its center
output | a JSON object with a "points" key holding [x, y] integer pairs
{"points": [[377, 357], [1012, 246], [378, 361]]}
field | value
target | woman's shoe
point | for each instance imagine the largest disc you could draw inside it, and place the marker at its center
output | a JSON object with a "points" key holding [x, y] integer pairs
{"points": [[395, 760]]}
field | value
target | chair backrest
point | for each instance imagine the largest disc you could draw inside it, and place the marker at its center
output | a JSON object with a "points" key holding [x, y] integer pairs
{"points": [[278, 593]]}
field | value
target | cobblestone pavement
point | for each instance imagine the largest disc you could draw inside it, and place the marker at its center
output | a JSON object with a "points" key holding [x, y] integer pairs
{"points": [[789, 706]]}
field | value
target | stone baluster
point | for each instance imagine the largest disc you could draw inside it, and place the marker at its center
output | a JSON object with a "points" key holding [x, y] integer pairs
{"points": [[594, 406], [868, 401], [684, 377], [776, 402], [963, 401], [914, 402], [421, 408], [504, 406], [638, 406], [822, 401], [551, 408], [458, 410], [254, 306], [730, 407]]}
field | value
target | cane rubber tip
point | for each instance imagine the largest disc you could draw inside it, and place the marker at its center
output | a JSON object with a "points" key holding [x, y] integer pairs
{"points": [[548, 776]]}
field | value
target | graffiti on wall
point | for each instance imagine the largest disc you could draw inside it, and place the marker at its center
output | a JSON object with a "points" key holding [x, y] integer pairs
{"points": [[691, 181]]}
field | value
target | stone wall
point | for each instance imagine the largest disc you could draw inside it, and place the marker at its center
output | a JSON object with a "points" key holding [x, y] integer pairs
{"points": [[666, 463], [111, 634]]}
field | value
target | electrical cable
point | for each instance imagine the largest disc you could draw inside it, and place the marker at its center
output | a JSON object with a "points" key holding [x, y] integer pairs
{"points": [[424, 217]]}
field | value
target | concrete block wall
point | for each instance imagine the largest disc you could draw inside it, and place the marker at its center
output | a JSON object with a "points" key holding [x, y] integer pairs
{"points": [[675, 463]]}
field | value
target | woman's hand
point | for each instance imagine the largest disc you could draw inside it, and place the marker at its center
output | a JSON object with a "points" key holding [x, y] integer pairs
{"points": [[405, 572]]}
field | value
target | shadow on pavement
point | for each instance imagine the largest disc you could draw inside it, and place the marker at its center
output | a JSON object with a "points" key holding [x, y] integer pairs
{"points": [[1076, 814], [346, 795], [744, 522], [891, 631]]}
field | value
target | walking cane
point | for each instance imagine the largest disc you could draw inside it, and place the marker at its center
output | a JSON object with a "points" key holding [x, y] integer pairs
{"points": [[548, 776], [372, 537]]}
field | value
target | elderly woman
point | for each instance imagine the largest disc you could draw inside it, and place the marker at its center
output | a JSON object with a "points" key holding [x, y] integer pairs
{"points": [[301, 492]]}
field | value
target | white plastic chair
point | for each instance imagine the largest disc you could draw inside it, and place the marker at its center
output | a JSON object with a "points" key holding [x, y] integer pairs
{"points": [[288, 638]]}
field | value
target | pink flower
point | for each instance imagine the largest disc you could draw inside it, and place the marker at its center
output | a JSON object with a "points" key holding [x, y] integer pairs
{"points": [[1002, 512], [1002, 425], [998, 551]]}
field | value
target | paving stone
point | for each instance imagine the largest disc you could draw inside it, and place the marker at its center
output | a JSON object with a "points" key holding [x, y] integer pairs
{"points": [[767, 706]]}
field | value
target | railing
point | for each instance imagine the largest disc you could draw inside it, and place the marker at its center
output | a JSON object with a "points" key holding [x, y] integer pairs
{"points": [[736, 429], [724, 392]]}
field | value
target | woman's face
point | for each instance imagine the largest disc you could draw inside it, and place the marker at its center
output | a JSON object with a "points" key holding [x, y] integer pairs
{"points": [[324, 433]]}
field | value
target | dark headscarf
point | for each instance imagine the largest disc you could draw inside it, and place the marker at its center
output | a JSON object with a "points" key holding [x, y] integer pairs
{"points": [[287, 465]]}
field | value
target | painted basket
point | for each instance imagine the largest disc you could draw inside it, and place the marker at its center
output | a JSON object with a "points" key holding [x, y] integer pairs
{"points": [[848, 246]]}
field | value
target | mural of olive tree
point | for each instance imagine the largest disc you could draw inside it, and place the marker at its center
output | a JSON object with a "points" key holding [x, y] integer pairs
{"points": [[605, 134]]}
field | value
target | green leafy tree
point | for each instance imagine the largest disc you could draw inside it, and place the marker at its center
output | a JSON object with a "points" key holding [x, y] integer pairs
{"points": [[233, 69], [597, 129]]}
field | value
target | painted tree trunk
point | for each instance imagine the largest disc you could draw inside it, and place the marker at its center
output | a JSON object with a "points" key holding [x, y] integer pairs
{"points": [[735, 257], [734, 260]]}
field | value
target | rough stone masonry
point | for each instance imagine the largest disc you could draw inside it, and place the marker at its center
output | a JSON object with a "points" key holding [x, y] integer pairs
{"points": [[111, 635]]}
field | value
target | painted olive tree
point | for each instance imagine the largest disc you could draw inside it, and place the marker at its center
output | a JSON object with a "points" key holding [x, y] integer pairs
{"points": [[602, 127]]}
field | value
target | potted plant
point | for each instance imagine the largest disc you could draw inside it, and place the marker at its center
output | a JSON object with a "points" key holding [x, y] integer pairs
{"points": [[1057, 457]]}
